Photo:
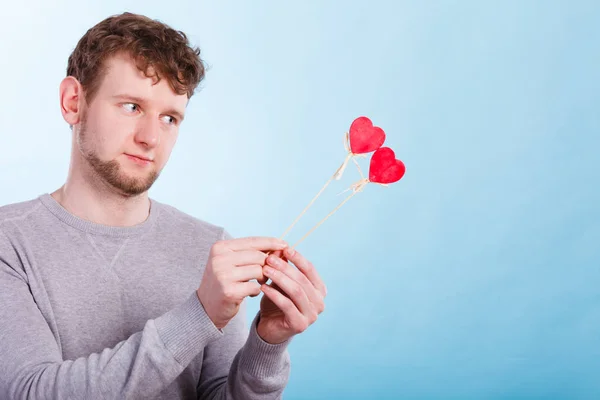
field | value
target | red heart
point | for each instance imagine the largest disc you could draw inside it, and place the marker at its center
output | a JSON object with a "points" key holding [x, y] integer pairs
{"points": [[385, 168], [364, 137]]}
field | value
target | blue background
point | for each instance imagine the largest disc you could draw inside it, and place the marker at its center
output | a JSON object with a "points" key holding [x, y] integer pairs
{"points": [[475, 276]]}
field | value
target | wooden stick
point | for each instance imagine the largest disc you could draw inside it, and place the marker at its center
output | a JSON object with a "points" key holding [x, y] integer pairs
{"points": [[357, 187]]}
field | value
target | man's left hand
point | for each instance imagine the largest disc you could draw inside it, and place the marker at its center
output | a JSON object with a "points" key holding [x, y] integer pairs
{"points": [[294, 299]]}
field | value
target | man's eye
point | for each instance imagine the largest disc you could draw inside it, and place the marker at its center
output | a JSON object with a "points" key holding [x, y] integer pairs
{"points": [[170, 120], [130, 107]]}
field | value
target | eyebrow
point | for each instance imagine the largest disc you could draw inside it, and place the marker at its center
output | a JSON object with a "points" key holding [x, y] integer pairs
{"points": [[140, 100]]}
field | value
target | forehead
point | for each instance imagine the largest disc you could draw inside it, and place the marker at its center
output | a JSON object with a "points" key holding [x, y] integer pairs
{"points": [[124, 77]]}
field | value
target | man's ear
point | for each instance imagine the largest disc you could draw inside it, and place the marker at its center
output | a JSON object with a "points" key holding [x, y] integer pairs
{"points": [[71, 99]]}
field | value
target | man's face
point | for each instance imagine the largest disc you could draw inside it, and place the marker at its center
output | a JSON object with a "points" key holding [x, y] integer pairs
{"points": [[129, 129]]}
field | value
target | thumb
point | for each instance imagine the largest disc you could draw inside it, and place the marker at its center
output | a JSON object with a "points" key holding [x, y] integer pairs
{"points": [[277, 253]]}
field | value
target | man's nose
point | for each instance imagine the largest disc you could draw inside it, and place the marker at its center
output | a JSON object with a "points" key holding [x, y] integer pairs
{"points": [[148, 133]]}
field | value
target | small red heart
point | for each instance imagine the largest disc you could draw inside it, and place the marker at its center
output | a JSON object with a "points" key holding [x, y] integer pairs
{"points": [[385, 168], [364, 137]]}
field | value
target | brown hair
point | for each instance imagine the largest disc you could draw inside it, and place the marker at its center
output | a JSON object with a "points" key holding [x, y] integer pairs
{"points": [[150, 43]]}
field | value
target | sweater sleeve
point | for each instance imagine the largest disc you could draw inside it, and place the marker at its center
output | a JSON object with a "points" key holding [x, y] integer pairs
{"points": [[31, 365], [241, 365]]}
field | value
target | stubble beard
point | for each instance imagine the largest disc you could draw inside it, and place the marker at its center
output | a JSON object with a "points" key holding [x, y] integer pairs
{"points": [[110, 171]]}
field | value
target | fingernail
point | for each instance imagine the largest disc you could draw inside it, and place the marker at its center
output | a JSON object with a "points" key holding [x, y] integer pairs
{"points": [[268, 271], [290, 252], [272, 260]]}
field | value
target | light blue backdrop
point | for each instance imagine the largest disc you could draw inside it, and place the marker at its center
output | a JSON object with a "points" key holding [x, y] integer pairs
{"points": [[477, 275]]}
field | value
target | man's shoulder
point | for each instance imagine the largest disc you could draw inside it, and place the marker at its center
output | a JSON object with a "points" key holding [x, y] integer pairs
{"points": [[183, 221], [18, 210]]}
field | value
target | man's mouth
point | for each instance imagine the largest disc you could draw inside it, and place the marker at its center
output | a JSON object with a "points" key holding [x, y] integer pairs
{"points": [[139, 159]]}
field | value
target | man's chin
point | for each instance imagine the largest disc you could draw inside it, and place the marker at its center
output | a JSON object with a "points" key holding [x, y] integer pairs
{"points": [[126, 181], [134, 186]]}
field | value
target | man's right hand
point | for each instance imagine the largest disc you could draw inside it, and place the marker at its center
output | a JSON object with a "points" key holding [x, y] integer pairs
{"points": [[232, 264]]}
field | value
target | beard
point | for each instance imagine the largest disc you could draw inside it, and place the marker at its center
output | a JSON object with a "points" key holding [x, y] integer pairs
{"points": [[111, 171]]}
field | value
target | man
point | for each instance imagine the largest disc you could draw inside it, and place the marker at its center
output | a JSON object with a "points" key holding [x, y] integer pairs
{"points": [[107, 293]]}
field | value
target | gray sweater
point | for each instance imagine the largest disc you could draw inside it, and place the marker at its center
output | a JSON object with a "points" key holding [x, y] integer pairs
{"points": [[89, 311]]}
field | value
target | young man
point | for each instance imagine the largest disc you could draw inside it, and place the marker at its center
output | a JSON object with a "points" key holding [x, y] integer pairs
{"points": [[107, 293]]}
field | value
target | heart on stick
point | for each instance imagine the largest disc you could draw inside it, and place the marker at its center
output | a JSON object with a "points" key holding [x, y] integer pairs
{"points": [[364, 137], [384, 167]]}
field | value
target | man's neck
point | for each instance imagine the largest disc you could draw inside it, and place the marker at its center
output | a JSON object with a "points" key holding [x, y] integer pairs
{"points": [[102, 207]]}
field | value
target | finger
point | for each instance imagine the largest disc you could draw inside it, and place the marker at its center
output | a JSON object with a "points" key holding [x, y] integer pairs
{"points": [[263, 280], [247, 272], [315, 297], [295, 318], [245, 257], [292, 288], [307, 269], [277, 253], [250, 288], [257, 243], [274, 286]]}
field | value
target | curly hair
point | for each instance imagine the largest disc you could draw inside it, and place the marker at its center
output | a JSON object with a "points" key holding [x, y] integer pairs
{"points": [[153, 45]]}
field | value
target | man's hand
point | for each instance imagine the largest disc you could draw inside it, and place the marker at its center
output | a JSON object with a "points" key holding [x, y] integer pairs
{"points": [[232, 264], [293, 301]]}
